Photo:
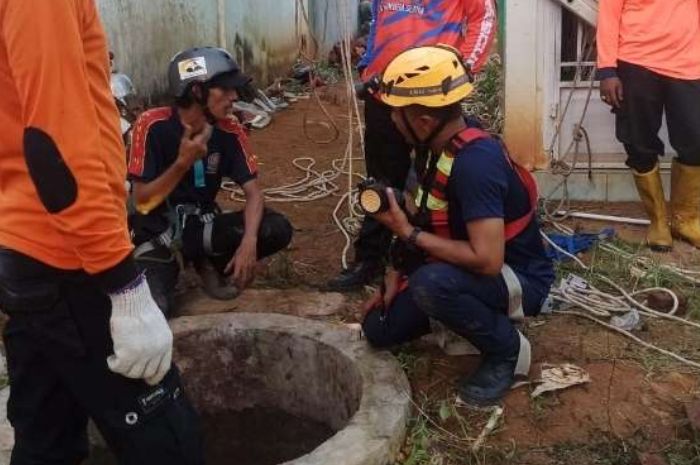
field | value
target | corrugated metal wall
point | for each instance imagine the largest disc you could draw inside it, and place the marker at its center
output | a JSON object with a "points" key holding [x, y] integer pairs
{"points": [[265, 35]]}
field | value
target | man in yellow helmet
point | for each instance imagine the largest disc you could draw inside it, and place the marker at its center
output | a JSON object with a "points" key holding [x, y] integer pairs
{"points": [[467, 25], [470, 256]]}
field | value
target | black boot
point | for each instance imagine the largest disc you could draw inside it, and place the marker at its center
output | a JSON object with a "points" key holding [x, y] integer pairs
{"points": [[355, 277], [494, 377]]}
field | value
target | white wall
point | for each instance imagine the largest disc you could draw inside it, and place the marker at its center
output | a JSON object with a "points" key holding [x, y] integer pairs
{"points": [[528, 53]]}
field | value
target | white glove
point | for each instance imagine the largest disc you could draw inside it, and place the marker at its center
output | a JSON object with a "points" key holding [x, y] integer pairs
{"points": [[143, 342]]}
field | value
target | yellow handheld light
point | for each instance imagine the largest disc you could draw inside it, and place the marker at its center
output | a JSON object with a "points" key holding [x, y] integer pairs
{"points": [[373, 198], [371, 201]]}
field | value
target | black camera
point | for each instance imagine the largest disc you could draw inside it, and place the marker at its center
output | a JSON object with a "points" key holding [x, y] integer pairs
{"points": [[373, 197]]}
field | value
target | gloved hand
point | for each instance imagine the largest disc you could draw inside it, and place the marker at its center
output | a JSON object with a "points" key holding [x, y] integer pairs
{"points": [[143, 342]]}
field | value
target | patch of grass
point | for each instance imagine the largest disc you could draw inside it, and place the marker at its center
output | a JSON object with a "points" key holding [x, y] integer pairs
{"points": [[412, 360], [416, 450], [603, 451], [407, 359], [683, 453], [427, 446], [694, 306], [442, 433], [651, 361], [624, 272], [485, 103], [543, 405], [329, 73]]}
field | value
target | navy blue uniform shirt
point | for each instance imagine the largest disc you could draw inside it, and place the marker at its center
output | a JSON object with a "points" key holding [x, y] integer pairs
{"points": [[155, 147], [484, 185]]}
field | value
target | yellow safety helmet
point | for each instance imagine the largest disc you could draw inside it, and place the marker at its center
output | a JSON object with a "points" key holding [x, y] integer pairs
{"points": [[431, 76]]}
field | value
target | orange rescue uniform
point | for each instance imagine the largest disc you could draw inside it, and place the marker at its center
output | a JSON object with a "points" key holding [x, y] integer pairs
{"points": [[54, 78], [660, 35]]}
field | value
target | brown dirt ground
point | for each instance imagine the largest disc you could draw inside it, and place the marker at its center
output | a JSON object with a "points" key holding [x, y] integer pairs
{"points": [[632, 393], [314, 254], [634, 397]]}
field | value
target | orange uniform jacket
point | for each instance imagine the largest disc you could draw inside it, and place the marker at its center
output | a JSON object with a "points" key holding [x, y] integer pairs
{"points": [[62, 160], [660, 35]]}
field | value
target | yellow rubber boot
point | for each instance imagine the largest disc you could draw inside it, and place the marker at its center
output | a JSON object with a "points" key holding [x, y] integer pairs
{"points": [[651, 192], [685, 203]]}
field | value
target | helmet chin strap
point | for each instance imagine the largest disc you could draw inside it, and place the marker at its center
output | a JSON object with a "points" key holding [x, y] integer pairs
{"points": [[202, 101], [422, 147]]}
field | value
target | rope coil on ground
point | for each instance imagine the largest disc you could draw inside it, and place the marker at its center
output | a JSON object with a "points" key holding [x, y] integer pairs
{"points": [[601, 305], [629, 335], [645, 263], [315, 185], [596, 304]]}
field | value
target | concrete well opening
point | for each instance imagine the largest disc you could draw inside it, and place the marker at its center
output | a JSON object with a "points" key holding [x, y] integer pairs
{"points": [[266, 397], [275, 389]]}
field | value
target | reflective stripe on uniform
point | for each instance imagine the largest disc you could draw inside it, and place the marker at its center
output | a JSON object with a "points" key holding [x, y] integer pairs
{"points": [[434, 204], [207, 235], [165, 239], [515, 294], [522, 366]]}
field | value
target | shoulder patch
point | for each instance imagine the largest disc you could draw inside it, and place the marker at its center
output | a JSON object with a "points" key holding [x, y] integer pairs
{"points": [[231, 125], [467, 137], [139, 135]]}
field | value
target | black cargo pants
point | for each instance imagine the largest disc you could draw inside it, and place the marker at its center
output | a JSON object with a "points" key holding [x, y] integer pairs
{"points": [[162, 270], [388, 159], [57, 341], [647, 97]]}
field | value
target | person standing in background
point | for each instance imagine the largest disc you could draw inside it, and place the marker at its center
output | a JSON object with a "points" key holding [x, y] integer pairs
{"points": [[649, 65], [85, 339]]}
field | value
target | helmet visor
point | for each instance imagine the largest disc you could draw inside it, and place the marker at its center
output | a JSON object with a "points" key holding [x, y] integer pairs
{"points": [[230, 81]]}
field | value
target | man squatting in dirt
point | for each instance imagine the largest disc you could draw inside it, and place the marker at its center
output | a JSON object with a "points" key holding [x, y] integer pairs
{"points": [[179, 156], [467, 25], [469, 252]]}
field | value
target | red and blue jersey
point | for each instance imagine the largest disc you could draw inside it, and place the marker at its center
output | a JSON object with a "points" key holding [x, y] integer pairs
{"points": [[467, 25]]}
